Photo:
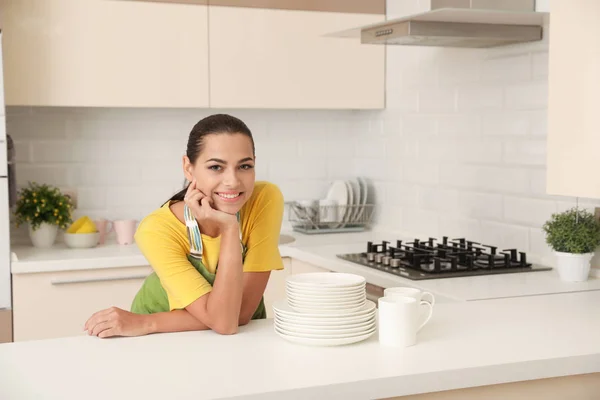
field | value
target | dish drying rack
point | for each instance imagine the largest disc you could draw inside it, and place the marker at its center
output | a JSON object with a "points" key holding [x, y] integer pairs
{"points": [[330, 219]]}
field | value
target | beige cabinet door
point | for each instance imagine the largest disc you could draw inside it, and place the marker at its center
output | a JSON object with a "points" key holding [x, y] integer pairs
{"points": [[266, 58], [57, 304], [574, 99], [104, 53], [275, 289]]}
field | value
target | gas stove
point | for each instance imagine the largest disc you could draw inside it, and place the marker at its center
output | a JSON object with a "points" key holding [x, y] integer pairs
{"points": [[432, 259]]}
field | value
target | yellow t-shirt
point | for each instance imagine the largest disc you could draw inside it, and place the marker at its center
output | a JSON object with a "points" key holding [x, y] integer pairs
{"points": [[163, 240]]}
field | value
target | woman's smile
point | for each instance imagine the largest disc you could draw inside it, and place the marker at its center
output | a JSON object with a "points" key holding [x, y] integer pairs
{"points": [[230, 197]]}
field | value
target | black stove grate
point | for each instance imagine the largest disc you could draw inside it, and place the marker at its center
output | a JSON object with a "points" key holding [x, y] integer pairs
{"points": [[430, 259]]}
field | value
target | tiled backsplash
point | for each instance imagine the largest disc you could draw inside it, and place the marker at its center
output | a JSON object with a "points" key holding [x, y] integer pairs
{"points": [[123, 163], [459, 151], [471, 142]]}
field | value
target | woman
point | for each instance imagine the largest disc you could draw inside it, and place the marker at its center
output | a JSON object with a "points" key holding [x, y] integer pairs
{"points": [[224, 221]]}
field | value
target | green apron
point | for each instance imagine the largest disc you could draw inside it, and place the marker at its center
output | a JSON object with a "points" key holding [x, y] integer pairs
{"points": [[152, 297]]}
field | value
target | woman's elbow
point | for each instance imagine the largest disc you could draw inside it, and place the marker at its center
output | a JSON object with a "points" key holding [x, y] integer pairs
{"points": [[225, 328]]}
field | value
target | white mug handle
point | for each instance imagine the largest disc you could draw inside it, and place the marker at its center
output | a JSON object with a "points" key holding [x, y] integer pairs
{"points": [[428, 304], [432, 301]]}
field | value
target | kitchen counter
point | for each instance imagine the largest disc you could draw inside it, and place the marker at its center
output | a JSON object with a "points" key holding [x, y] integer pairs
{"points": [[465, 344], [319, 250]]}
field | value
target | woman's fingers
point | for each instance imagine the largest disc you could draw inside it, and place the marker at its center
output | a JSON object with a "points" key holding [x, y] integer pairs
{"points": [[101, 327], [205, 202], [191, 187], [98, 317], [107, 333]]}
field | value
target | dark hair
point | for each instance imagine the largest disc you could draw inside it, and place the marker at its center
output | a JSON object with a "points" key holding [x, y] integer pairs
{"points": [[216, 124]]}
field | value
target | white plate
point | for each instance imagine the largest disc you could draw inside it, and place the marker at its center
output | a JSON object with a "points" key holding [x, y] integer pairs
{"points": [[309, 301], [325, 335], [282, 307], [338, 192], [325, 342], [334, 327], [364, 193], [356, 200], [325, 297], [326, 311], [326, 292], [319, 330], [319, 280], [337, 322], [326, 305], [289, 287], [349, 210]]}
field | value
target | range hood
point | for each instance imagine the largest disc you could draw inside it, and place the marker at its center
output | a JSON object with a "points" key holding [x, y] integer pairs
{"points": [[460, 23]]}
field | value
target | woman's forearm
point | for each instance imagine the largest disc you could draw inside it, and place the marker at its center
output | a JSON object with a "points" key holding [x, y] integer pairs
{"points": [[225, 299], [174, 321]]}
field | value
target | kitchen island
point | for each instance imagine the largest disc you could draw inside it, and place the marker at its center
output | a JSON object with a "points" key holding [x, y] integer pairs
{"points": [[466, 344]]}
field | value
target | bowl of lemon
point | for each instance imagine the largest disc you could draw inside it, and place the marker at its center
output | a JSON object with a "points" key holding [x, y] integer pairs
{"points": [[82, 234]]}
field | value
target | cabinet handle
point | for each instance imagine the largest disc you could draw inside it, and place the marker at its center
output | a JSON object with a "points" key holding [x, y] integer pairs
{"points": [[88, 280]]}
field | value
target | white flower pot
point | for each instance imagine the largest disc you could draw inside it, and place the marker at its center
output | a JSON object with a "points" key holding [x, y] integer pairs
{"points": [[573, 267], [44, 236]]}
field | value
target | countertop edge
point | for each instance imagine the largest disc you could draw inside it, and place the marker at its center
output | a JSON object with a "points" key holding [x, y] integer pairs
{"points": [[431, 382]]}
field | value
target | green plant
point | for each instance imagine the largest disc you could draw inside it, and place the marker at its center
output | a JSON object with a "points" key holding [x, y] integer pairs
{"points": [[573, 231], [43, 203]]}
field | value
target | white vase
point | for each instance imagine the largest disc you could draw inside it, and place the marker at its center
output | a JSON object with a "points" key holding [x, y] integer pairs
{"points": [[573, 267], [44, 236]]}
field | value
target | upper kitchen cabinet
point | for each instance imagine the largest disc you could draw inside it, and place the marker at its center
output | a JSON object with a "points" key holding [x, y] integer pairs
{"points": [[574, 99], [280, 58], [105, 53]]}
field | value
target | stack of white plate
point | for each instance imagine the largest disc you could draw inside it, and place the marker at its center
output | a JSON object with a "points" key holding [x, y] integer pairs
{"points": [[325, 309]]}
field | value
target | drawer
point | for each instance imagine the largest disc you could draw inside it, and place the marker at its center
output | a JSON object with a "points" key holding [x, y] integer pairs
{"points": [[51, 305]]}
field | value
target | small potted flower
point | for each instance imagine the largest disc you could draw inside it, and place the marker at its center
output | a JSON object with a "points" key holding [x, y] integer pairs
{"points": [[44, 209], [574, 235]]}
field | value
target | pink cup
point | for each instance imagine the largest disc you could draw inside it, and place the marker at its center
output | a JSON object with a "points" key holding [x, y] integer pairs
{"points": [[105, 227], [125, 229]]}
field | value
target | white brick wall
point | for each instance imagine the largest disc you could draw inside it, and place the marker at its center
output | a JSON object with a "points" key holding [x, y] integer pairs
{"points": [[126, 162]]}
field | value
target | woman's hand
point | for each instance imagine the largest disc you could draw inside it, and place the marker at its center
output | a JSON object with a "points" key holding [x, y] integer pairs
{"points": [[202, 208], [116, 322]]}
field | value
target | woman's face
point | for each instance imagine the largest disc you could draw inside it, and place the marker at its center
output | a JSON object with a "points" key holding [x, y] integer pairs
{"points": [[224, 170]]}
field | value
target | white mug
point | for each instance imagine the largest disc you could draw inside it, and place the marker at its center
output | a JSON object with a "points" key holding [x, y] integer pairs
{"points": [[399, 320], [416, 294]]}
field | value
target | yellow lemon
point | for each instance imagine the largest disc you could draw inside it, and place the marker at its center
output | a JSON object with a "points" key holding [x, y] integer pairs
{"points": [[83, 225]]}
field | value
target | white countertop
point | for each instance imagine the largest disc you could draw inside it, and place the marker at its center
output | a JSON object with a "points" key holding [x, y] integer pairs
{"points": [[320, 250], [465, 344]]}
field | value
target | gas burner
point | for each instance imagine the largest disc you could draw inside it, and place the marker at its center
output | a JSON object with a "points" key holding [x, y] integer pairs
{"points": [[429, 259]]}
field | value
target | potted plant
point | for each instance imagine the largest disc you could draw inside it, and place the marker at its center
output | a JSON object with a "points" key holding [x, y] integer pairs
{"points": [[574, 235], [44, 209]]}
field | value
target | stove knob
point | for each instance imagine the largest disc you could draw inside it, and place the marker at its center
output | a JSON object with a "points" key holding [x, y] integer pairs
{"points": [[379, 257], [386, 260], [395, 263], [371, 256]]}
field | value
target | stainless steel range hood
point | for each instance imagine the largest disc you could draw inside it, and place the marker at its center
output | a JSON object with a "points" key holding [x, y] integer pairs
{"points": [[460, 23]]}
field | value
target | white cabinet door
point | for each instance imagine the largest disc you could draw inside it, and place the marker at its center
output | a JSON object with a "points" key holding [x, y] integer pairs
{"points": [[2, 111], [57, 304], [105, 53], [4, 245], [574, 99], [275, 289], [265, 58], [3, 151]]}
